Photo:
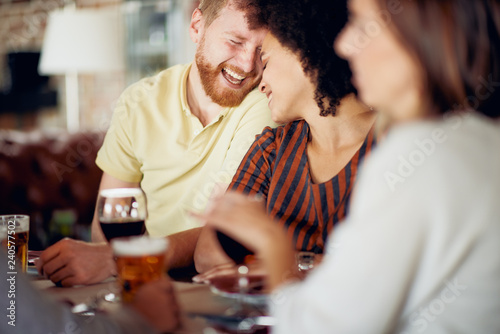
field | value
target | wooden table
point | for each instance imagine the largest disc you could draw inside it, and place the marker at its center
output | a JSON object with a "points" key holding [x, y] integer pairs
{"points": [[192, 298]]}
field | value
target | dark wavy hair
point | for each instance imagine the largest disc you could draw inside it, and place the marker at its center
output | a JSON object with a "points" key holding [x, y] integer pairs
{"points": [[309, 28]]}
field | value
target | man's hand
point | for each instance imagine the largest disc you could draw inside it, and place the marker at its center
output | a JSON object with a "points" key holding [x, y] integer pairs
{"points": [[156, 302], [71, 262]]}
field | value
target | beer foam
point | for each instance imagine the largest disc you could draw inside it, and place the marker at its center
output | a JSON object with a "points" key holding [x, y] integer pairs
{"points": [[121, 192], [3, 233], [138, 246], [21, 222]]}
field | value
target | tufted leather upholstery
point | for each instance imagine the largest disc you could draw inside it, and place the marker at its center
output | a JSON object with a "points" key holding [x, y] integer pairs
{"points": [[41, 173]]}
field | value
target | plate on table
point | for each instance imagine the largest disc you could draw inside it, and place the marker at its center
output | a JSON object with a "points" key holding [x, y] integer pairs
{"points": [[237, 325], [227, 286]]}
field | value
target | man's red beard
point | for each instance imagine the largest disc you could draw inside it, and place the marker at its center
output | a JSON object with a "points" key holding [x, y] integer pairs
{"points": [[224, 95]]}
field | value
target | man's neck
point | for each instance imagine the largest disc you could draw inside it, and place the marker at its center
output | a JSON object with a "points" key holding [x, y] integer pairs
{"points": [[200, 104]]}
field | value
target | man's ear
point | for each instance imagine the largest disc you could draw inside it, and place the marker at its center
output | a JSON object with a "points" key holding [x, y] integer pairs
{"points": [[197, 25]]}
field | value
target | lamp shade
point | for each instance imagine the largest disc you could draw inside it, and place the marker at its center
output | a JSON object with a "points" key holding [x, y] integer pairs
{"points": [[84, 41]]}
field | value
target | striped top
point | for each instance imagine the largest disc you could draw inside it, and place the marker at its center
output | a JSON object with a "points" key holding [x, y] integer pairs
{"points": [[276, 166]]}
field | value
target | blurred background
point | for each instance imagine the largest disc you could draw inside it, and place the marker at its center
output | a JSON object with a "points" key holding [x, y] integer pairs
{"points": [[63, 65]]}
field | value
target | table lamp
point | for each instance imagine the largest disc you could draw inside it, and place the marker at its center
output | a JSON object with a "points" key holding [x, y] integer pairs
{"points": [[81, 41]]}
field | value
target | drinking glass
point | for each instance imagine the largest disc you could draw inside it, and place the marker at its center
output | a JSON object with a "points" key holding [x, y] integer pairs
{"points": [[139, 260], [305, 261], [3, 234], [15, 242], [122, 212], [237, 252]]}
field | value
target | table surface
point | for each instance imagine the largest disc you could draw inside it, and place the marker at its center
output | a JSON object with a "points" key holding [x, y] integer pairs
{"points": [[192, 298]]}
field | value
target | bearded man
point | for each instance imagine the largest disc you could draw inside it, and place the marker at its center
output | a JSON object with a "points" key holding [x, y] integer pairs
{"points": [[177, 135]]}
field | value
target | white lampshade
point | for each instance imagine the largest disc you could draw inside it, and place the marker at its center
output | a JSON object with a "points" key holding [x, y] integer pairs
{"points": [[83, 41]]}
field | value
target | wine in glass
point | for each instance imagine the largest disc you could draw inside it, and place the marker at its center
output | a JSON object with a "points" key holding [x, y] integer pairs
{"points": [[238, 253], [121, 213]]}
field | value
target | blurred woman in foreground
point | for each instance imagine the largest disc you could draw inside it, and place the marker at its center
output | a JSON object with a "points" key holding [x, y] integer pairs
{"points": [[420, 249]]}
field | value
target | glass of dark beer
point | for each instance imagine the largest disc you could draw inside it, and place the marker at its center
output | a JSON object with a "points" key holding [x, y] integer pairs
{"points": [[122, 212]]}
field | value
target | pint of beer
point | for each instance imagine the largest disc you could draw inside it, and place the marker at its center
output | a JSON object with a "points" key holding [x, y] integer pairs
{"points": [[139, 260], [15, 243]]}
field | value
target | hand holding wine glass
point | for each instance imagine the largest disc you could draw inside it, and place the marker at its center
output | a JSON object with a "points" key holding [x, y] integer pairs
{"points": [[236, 251], [245, 219]]}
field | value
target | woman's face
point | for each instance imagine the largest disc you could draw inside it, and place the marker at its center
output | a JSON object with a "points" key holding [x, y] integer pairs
{"points": [[386, 75], [288, 89]]}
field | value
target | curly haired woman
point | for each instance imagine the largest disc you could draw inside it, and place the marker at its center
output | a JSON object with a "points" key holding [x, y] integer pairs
{"points": [[304, 170]]}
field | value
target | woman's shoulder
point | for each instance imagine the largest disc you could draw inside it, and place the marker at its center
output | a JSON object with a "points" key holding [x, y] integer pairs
{"points": [[439, 152], [273, 139], [279, 133]]}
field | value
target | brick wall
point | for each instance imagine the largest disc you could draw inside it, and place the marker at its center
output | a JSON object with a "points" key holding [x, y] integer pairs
{"points": [[22, 27]]}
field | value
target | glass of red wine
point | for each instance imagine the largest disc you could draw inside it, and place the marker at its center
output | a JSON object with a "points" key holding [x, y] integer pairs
{"points": [[121, 212], [238, 253]]}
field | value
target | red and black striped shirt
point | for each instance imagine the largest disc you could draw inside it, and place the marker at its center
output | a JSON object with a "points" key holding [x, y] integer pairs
{"points": [[276, 166]]}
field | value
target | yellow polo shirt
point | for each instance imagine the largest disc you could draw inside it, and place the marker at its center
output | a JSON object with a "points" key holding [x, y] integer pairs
{"points": [[155, 140]]}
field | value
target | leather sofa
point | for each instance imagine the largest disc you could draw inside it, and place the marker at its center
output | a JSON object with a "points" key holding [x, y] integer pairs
{"points": [[53, 178]]}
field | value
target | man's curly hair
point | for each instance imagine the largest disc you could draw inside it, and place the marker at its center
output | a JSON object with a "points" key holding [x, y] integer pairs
{"points": [[309, 28]]}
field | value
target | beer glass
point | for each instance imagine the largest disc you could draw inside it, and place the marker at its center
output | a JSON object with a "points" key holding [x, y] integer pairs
{"points": [[121, 212], [16, 241], [139, 260], [3, 234]]}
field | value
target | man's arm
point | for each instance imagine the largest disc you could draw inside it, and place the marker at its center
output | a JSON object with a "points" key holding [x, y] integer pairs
{"points": [[181, 248]]}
